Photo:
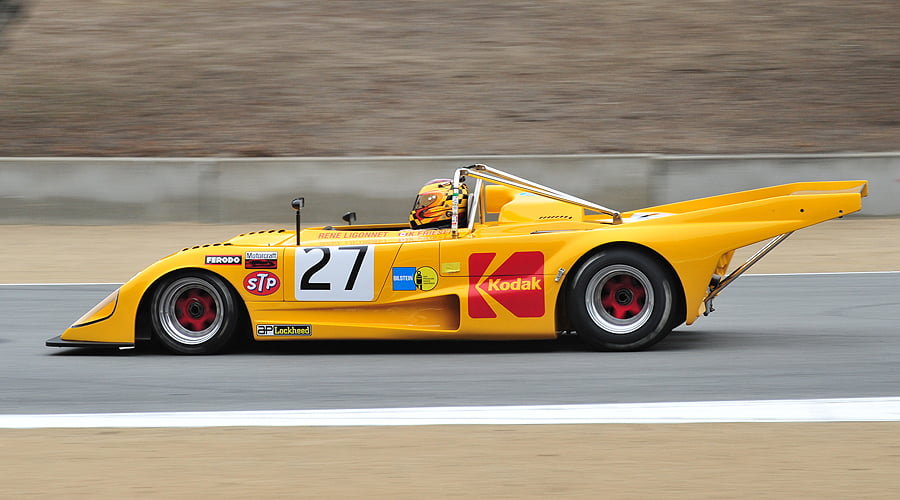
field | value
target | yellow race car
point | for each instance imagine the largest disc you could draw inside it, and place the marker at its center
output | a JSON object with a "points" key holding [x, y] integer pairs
{"points": [[485, 255]]}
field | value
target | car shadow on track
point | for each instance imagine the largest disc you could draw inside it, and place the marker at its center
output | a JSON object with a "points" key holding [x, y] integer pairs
{"points": [[564, 344], [692, 340], [677, 341], [356, 347]]}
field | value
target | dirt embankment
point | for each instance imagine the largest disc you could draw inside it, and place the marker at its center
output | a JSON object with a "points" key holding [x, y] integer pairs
{"points": [[234, 78]]}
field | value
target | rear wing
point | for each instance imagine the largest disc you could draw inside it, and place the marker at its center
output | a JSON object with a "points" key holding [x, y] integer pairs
{"points": [[858, 187]]}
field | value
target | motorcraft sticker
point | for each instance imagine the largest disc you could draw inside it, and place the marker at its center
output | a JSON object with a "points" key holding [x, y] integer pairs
{"points": [[261, 255], [516, 284], [261, 260], [223, 260], [284, 330], [262, 283]]}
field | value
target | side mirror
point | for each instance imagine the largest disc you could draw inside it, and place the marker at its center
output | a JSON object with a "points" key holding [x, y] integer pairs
{"points": [[349, 218]]}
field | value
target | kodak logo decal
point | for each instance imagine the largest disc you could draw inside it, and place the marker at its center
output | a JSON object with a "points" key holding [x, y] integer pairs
{"points": [[497, 285], [517, 284]]}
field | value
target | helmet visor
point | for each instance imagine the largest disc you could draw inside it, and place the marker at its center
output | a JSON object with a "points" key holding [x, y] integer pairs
{"points": [[429, 199]]}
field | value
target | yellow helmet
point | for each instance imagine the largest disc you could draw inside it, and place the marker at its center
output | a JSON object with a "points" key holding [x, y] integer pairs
{"points": [[434, 205]]}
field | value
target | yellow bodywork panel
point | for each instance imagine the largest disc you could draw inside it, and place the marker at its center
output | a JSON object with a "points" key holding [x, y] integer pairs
{"points": [[499, 279]]}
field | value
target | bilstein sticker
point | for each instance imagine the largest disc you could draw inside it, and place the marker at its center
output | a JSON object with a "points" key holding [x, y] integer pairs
{"points": [[284, 330], [426, 278], [403, 279], [517, 284], [410, 279]]}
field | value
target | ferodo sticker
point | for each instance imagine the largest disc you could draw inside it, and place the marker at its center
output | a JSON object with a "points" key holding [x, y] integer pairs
{"points": [[284, 330], [224, 260], [262, 283], [516, 284]]}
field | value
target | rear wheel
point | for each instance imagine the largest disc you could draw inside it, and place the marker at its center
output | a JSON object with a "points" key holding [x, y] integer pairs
{"points": [[622, 300], [194, 314]]}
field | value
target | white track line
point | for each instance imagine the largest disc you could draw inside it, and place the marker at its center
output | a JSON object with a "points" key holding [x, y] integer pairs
{"points": [[798, 410]]}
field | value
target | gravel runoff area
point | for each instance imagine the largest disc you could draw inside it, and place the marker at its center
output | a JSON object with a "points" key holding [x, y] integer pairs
{"points": [[686, 461]]}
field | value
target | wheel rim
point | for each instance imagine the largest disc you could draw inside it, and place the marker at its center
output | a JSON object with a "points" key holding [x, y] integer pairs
{"points": [[191, 311], [619, 299]]}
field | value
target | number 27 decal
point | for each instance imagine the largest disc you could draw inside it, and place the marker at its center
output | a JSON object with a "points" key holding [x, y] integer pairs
{"points": [[344, 273]]}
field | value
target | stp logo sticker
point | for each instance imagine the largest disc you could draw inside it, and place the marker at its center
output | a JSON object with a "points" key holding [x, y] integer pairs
{"points": [[517, 284], [262, 283]]}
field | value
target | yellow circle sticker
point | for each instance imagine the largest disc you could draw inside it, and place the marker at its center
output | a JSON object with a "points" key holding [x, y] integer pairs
{"points": [[426, 278]]}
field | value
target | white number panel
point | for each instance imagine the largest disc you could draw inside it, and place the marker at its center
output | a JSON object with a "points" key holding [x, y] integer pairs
{"points": [[344, 273]]}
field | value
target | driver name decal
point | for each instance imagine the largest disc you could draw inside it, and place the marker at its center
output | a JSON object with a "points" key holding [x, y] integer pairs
{"points": [[516, 284]]}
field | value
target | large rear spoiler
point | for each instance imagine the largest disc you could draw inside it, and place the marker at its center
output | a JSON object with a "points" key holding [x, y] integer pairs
{"points": [[797, 189]]}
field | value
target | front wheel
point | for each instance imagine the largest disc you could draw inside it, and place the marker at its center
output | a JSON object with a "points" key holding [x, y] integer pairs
{"points": [[622, 300], [194, 314]]}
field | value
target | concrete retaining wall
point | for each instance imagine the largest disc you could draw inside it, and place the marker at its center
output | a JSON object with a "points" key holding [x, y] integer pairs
{"points": [[381, 189]]}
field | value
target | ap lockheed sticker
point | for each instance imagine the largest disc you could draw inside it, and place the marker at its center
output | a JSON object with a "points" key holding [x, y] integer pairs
{"points": [[284, 330]]}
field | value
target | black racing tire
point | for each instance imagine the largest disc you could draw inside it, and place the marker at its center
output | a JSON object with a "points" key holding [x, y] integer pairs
{"points": [[622, 300], [195, 313]]}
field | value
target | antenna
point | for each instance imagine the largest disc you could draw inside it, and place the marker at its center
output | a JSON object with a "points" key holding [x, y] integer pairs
{"points": [[297, 205]]}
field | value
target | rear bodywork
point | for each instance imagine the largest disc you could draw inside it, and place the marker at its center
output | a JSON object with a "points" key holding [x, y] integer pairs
{"points": [[500, 275]]}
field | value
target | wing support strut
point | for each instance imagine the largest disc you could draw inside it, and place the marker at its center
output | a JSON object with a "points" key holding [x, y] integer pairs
{"points": [[717, 285]]}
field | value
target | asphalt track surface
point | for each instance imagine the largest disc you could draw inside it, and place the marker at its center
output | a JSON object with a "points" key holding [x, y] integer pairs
{"points": [[772, 337]]}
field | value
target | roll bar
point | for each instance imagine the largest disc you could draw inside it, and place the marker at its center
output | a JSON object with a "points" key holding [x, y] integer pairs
{"points": [[483, 173]]}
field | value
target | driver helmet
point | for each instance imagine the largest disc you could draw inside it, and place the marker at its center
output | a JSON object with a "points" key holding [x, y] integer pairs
{"points": [[434, 205]]}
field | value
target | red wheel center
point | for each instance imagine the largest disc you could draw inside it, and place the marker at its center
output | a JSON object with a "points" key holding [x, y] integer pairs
{"points": [[195, 310], [623, 297]]}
